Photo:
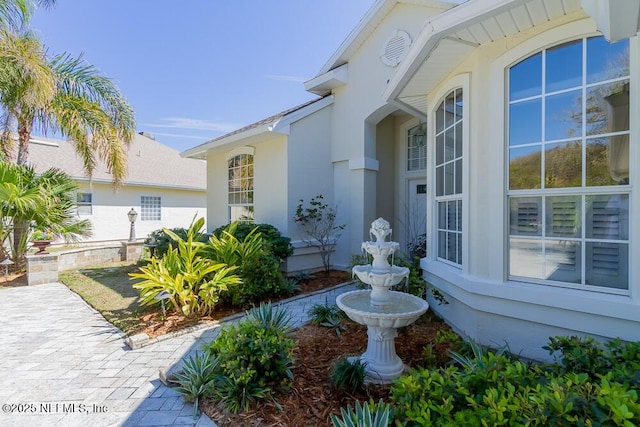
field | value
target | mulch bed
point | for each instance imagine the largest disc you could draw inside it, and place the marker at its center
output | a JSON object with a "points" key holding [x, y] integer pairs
{"points": [[311, 398], [153, 325]]}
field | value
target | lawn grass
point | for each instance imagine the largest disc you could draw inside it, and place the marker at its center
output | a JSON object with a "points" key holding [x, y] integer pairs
{"points": [[108, 289]]}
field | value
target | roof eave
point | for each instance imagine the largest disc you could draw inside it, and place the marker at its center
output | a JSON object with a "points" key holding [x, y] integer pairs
{"points": [[323, 84], [200, 152]]}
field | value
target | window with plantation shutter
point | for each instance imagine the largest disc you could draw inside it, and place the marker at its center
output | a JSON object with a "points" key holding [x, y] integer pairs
{"points": [[568, 151]]}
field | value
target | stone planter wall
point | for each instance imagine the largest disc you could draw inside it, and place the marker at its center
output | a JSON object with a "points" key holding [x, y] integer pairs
{"points": [[44, 268]]}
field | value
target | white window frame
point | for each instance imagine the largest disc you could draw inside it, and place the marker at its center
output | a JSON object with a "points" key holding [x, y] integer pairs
{"points": [[150, 208], [84, 204], [460, 81], [572, 32], [242, 151]]}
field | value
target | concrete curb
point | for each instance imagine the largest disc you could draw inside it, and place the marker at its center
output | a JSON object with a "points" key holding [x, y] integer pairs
{"points": [[142, 340]]}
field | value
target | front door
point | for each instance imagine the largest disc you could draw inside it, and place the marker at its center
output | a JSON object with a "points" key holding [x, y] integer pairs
{"points": [[417, 216]]}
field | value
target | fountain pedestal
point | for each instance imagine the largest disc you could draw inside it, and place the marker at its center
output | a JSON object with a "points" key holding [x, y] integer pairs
{"points": [[382, 310]]}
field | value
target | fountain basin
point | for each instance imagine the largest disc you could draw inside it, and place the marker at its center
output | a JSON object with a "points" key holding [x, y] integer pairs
{"points": [[380, 278], [401, 310]]}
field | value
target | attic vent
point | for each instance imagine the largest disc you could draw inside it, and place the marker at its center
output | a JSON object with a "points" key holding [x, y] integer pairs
{"points": [[395, 48]]}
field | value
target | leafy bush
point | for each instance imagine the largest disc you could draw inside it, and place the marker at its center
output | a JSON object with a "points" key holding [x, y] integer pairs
{"points": [[163, 240], [347, 375], [193, 282], [258, 268], [364, 415], [585, 354], [494, 389], [256, 357], [278, 244], [197, 378]]}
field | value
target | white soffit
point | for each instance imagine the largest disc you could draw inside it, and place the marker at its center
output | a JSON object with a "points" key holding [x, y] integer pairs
{"points": [[324, 83], [448, 38]]}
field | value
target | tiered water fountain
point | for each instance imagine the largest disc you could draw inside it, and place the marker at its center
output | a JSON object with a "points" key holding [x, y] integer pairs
{"points": [[381, 309]]}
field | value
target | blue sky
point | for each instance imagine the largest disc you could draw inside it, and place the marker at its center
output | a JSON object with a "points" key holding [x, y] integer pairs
{"points": [[194, 70]]}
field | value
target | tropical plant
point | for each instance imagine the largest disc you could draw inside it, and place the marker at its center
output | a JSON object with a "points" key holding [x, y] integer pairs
{"points": [[319, 224], [163, 241], [348, 375], [379, 415], [257, 266], [197, 378], [269, 316], [14, 14], [320, 313], [63, 94], [29, 201], [278, 244], [193, 281]]}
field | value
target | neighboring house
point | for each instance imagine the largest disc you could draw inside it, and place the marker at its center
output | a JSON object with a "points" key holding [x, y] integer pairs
{"points": [[502, 129], [165, 189]]}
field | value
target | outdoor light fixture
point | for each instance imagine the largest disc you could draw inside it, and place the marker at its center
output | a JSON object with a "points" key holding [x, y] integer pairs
{"points": [[132, 215]]}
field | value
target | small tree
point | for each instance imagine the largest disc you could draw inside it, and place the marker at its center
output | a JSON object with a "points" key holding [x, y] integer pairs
{"points": [[318, 222]]}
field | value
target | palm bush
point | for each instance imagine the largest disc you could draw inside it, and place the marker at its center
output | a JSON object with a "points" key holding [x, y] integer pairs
{"points": [[29, 201], [364, 415], [348, 375], [193, 281], [197, 378]]}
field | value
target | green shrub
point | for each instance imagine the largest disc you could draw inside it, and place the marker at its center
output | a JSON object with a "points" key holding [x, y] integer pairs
{"points": [[193, 282], [257, 266], [164, 240], [494, 389], [278, 244], [256, 357], [197, 378], [347, 375], [379, 415]]}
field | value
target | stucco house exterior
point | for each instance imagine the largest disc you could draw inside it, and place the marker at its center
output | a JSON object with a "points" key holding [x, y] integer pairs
{"points": [[500, 128], [165, 189]]}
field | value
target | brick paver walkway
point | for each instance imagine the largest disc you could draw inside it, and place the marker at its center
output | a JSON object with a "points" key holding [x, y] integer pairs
{"points": [[63, 364]]}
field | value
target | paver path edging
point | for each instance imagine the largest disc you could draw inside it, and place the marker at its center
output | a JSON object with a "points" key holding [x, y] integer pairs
{"points": [[63, 364]]}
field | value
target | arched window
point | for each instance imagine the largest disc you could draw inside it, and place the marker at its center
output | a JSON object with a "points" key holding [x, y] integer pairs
{"points": [[241, 187], [568, 149], [448, 163]]}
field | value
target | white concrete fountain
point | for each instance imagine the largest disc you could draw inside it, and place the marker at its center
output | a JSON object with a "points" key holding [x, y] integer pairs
{"points": [[381, 309]]}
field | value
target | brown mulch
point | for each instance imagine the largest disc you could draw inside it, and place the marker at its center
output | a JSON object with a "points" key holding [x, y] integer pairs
{"points": [[311, 398], [153, 325]]}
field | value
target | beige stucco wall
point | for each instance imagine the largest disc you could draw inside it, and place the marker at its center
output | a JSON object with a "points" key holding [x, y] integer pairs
{"points": [[359, 106], [109, 211], [484, 304]]}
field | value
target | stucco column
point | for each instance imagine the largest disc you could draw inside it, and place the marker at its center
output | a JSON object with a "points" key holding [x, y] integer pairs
{"points": [[362, 173]]}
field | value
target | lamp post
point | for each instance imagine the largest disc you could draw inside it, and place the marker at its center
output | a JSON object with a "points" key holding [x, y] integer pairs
{"points": [[132, 215]]}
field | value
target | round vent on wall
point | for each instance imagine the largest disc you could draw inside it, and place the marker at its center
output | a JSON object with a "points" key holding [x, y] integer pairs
{"points": [[395, 48]]}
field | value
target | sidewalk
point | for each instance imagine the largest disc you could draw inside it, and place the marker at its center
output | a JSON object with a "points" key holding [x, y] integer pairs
{"points": [[63, 364]]}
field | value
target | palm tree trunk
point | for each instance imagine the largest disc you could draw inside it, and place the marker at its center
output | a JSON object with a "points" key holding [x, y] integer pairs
{"points": [[24, 135]]}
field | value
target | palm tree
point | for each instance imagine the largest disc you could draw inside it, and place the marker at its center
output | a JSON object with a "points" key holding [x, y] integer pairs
{"points": [[15, 13], [62, 94], [45, 202]]}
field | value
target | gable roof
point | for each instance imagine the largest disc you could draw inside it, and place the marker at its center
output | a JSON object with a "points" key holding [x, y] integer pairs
{"points": [[277, 123], [367, 25], [149, 163]]}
